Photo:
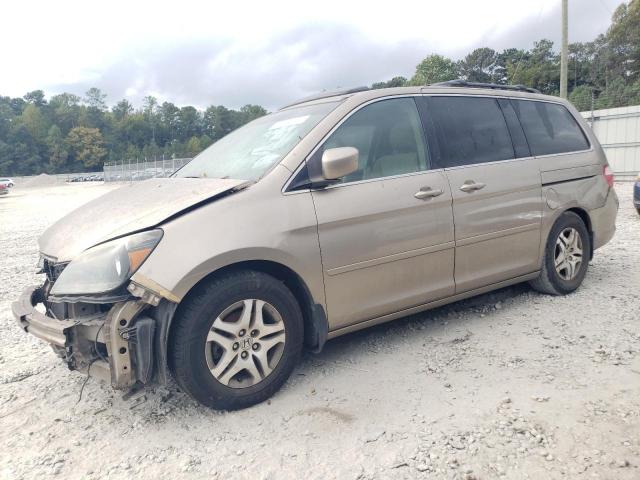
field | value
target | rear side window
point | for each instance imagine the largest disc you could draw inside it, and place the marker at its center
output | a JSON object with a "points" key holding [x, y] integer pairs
{"points": [[467, 130], [549, 127]]}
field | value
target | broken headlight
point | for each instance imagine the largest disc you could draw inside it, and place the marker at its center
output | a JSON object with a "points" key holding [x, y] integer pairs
{"points": [[107, 266]]}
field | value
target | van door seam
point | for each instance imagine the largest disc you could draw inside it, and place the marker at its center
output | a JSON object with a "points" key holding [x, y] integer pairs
{"points": [[455, 236], [324, 285]]}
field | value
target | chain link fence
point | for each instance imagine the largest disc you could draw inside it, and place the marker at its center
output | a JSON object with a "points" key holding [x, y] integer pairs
{"points": [[133, 170]]}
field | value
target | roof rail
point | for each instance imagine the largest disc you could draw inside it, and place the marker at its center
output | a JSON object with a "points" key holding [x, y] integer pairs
{"points": [[494, 86], [332, 93]]}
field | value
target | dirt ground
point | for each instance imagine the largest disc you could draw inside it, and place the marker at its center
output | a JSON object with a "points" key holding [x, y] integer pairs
{"points": [[512, 384]]}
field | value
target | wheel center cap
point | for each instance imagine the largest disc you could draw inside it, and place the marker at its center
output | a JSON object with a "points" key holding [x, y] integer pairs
{"points": [[246, 343]]}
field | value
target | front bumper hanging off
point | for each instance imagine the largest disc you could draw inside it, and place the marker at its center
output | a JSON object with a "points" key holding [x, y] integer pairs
{"points": [[119, 345], [38, 324]]}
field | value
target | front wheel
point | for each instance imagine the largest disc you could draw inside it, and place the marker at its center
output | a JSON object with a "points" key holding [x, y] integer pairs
{"points": [[236, 340], [566, 256]]}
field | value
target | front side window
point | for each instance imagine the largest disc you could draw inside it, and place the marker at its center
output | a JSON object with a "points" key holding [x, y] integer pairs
{"points": [[388, 136], [549, 127], [248, 152], [467, 131]]}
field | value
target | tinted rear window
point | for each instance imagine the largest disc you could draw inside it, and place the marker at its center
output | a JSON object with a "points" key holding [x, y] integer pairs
{"points": [[549, 128], [468, 130]]}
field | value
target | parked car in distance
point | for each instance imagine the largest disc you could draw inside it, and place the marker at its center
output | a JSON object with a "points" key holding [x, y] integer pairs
{"points": [[6, 181], [96, 177], [335, 213], [636, 194], [4, 189]]}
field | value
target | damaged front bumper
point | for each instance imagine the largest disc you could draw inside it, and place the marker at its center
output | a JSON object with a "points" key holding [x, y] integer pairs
{"points": [[123, 343]]}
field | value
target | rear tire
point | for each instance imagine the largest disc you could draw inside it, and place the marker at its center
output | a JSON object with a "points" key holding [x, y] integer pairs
{"points": [[566, 257], [245, 322]]}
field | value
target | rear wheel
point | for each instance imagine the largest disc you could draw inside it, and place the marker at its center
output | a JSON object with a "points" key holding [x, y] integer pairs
{"points": [[566, 256], [236, 340]]}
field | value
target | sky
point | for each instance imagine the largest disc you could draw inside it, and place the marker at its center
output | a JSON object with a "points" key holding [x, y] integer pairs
{"points": [[267, 52]]}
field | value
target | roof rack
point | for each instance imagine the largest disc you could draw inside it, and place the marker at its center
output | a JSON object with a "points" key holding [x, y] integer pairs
{"points": [[332, 93], [494, 86]]}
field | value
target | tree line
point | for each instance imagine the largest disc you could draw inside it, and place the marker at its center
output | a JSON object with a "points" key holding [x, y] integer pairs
{"points": [[68, 133], [71, 133], [603, 73]]}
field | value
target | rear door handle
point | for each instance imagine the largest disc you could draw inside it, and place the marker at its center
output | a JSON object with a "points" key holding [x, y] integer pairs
{"points": [[471, 186], [427, 192]]}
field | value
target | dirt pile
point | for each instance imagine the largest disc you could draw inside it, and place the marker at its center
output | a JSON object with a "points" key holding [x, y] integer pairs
{"points": [[39, 181]]}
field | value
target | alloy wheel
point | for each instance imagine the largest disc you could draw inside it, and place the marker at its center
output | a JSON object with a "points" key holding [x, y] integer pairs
{"points": [[245, 343], [568, 253]]}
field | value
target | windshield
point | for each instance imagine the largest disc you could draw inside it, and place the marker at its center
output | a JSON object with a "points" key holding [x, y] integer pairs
{"points": [[248, 152]]}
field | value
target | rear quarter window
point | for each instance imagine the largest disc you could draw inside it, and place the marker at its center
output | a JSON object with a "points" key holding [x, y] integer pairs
{"points": [[549, 128]]}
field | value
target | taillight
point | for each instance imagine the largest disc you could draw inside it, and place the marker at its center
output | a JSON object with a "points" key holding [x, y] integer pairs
{"points": [[608, 175]]}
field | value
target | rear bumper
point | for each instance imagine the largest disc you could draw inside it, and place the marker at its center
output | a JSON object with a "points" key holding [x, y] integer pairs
{"points": [[603, 220]]}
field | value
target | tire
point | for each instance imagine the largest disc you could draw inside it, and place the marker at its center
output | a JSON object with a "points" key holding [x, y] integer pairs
{"points": [[203, 336], [638, 210], [551, 281]]}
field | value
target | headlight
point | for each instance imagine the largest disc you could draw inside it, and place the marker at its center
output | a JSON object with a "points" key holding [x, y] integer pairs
{"points": [[107, 266]]}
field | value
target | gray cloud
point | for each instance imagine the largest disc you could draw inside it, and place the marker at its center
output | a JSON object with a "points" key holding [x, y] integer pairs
{"points": [[588, 19], [301, 61]]}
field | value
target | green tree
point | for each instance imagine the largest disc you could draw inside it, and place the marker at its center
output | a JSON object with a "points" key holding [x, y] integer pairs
{"points": [[193, 146], [479, 66], [540, 68], [87, 146], [624, 39], [58, 153], [65, 109], [122, 109], [36, 98], [35, 122], [394, 82], [507, 62], [94, 98], [433, 69], [251, 112], [581, 97], [205, 141], [188, 124]]}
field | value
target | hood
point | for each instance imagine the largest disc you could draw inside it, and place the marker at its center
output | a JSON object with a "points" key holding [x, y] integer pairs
{"points": [[134, 207]]}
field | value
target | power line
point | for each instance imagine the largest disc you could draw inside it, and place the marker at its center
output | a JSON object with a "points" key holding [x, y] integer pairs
{"points": [[515, 72], [605, 7]]}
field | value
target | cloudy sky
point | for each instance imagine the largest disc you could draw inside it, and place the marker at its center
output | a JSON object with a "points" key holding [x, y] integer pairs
{"points": [[265, 52]]}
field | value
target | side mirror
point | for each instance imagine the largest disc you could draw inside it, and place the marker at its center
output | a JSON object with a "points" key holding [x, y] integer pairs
{"points": [[339, 162]]}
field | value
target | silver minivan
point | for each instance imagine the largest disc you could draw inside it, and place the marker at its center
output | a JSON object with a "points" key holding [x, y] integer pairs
{"points": [[332, 214]]}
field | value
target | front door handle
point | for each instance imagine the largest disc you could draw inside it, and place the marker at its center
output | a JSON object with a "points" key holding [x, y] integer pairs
{"points": [[427, 192], [471, 186]]}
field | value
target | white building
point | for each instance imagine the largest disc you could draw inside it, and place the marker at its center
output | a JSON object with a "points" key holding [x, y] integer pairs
{"points": [[618, 130]]}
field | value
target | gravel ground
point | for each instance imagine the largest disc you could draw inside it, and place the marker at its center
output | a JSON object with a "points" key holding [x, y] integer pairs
{"points": [[513, 384]]}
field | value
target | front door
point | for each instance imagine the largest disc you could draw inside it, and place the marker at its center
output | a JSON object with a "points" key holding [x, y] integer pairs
{"points": [[497, 205], [386, 231]]}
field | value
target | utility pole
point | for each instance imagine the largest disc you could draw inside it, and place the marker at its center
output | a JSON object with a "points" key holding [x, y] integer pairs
{"points": [[564, 55]]}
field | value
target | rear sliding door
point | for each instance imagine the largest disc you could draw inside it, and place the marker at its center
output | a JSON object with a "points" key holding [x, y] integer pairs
{"points": [[497, 206]]}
